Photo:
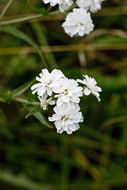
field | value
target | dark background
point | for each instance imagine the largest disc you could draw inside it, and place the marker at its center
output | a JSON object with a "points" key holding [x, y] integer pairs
{"points": [[35, 157]]}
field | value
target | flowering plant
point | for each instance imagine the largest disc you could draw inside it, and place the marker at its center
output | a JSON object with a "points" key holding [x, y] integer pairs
{"points": [[56, 89], [78, 22]]}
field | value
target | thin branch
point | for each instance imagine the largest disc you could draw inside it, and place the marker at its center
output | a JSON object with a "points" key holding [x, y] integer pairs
{"points": [[24, 101], [21, 100], [61, 16], [23, 19], [52, 16], [5, 9]]}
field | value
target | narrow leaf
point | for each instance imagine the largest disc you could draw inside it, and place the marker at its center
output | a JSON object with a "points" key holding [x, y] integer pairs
{"points": [[3, 97], [33, 111], [38, 115], [41, 10], [17, 33], [21, 89], [6, 97]]}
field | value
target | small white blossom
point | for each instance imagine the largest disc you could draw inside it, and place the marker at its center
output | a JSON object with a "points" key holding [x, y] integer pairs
{"points": [[90, 86], [68, 91], [52, 2], [92, 5], [67, 118], [45, 102], [78, 23], [65, 4], [47, 81]]}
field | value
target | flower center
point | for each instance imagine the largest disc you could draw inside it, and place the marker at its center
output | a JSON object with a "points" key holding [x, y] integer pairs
{"points": [[44, 104], [66, 92], [49, 82], [81, 24], [64, 117]]}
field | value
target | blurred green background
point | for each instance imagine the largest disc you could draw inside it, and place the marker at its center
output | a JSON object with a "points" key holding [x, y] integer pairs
{"points": [[33, 156]]}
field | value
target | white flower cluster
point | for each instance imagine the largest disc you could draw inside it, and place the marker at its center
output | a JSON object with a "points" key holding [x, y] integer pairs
{"points": [[78, 22], [56, 89]]}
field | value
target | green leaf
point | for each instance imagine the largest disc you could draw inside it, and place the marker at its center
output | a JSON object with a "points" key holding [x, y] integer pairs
{"points": [[42, 10], [21, 89], [42, 39], [19, 181], [17, 33], [38, 115], [6, 97], [33, 111], [3, 97]]}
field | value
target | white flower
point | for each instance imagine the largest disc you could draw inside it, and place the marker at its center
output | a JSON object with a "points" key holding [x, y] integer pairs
{"points": [[67, 118], [78, 23], [52, 2], [47, 82], [90, 86], [68, 91], [92, 5], [65, 4], [45, 102]]}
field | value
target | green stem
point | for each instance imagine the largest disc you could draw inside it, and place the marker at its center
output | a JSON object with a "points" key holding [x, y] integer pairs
{"points": [[21, 100], [65, 164], [38, 29], [27, 18], [5, 9], [20, 19], [49, 8]]}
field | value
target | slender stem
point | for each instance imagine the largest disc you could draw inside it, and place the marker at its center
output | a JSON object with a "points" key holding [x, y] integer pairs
{"points": [[54, 16], [21, 100], [5, 9], [49, 8], [31, 17], [21, 19], [65, 165], [41, 36]]}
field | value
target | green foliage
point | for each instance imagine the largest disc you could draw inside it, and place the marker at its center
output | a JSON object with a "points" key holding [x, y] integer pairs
{"points": [[17, 33], [32, 155], [20, 90], [41, 10], [36, 112]]}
